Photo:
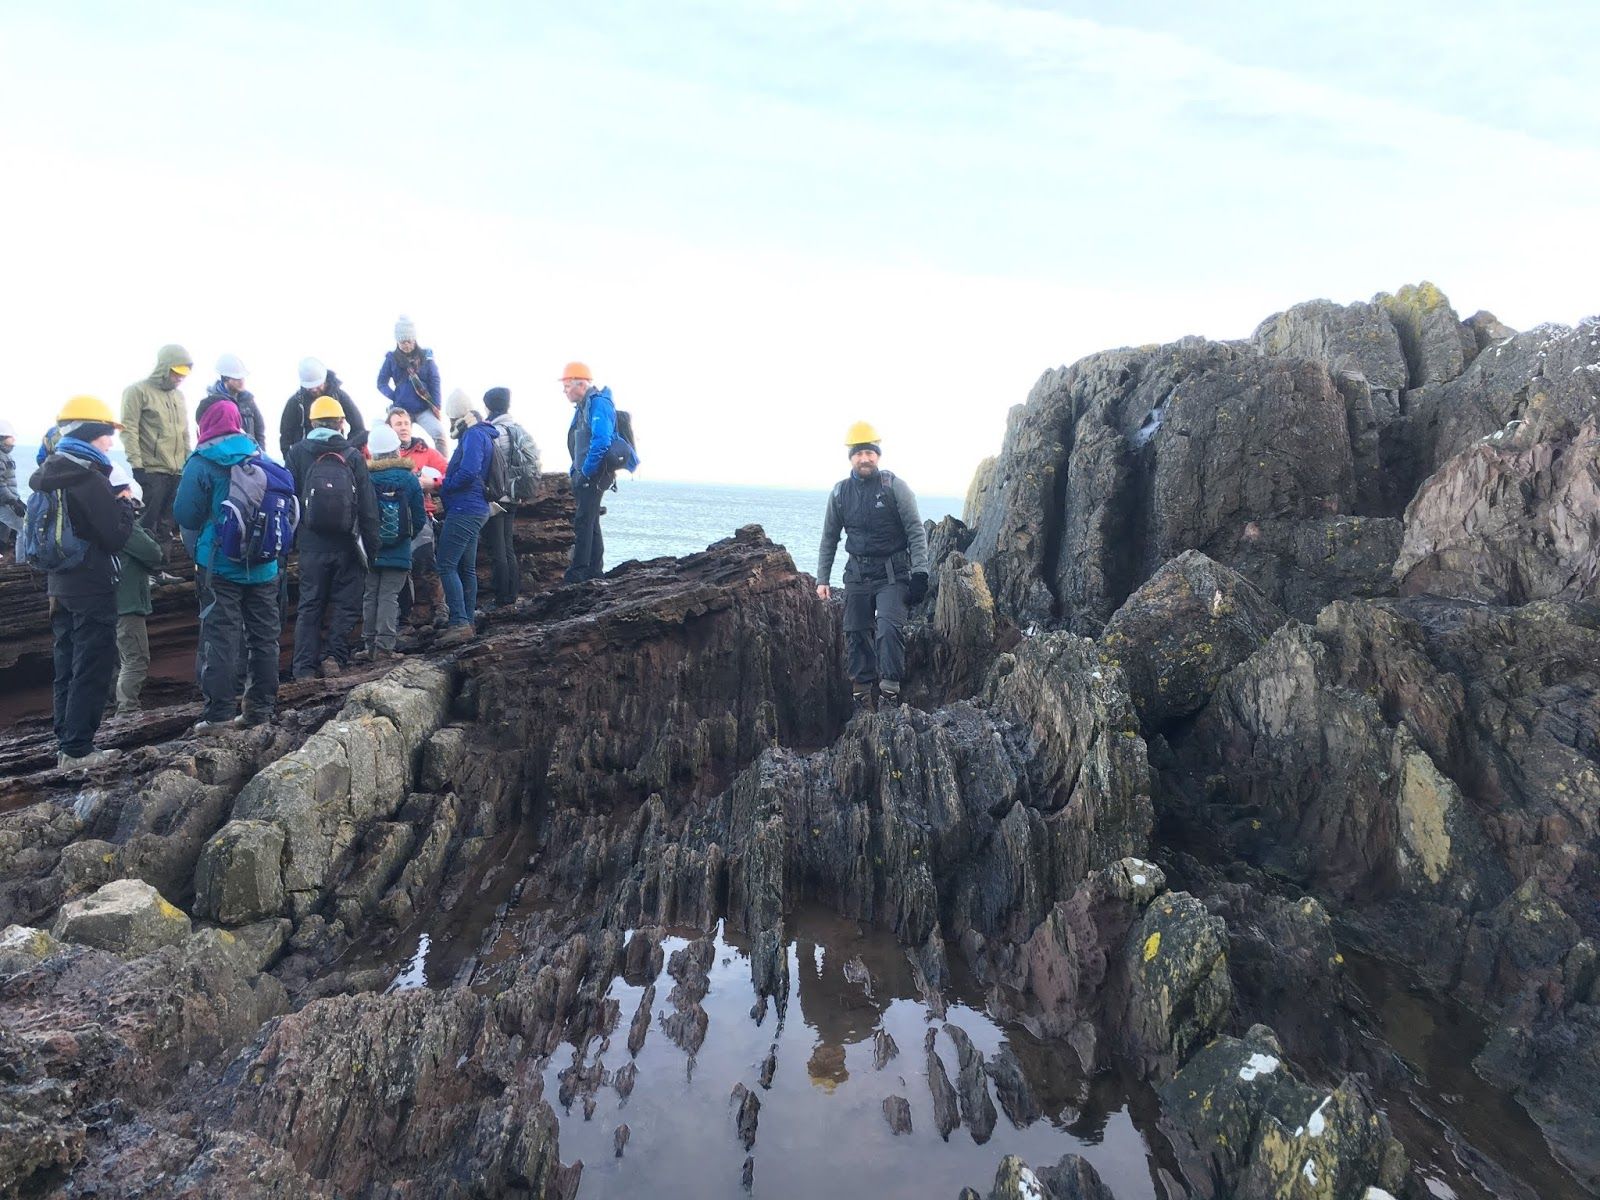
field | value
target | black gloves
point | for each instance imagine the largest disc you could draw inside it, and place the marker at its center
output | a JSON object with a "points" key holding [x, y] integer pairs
{"points": [[18, 507], [919, 587]]}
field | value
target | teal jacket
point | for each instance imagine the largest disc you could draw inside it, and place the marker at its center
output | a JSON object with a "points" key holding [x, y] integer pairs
{"points": [[139, 557], [197, 507]]}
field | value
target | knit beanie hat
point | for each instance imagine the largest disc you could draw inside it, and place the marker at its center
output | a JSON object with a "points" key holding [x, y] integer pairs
{"points": [[497, 400], [458, 405], [873, 446], [312, 373], [405, 329], [383, 441], [221, 419], [87, 431]]}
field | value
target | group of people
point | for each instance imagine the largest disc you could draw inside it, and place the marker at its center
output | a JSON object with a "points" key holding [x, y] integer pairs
{"points": [[382, 523]]}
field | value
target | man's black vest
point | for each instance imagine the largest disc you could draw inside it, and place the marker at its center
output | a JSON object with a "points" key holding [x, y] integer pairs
{"points": [[871, 516]]}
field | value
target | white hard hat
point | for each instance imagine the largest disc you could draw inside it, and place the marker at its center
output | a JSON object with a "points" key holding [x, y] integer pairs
{"points": [[231, 366], [120, 478], [7, 429], [312, 373], [431, 474]]}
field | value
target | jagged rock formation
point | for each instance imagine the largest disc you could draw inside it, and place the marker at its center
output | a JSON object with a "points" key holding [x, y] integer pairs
{"points": [[1148, 851]]}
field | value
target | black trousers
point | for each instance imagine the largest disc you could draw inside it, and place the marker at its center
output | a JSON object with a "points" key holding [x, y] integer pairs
{"points": [[85, 630], [875, 622], [505, 572], [588, 544], [332, 582], [159, 490], [239, 620]]}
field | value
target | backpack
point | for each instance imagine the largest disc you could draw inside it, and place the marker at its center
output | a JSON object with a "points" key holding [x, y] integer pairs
{"points": [[394, 516], [624, 452], [47, 541], [522, 461], [497, 475], [260, 515], [331, 494]]}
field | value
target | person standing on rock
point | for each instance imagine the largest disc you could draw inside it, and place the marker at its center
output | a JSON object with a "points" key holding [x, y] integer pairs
{"points": [[83, 589], [589, 440], [337, 538], [12, 509], [520, 457], [316, 383], [426, 606], [464, 493], [409, 379], [155, 421], [239, 613], [887, 570], [231, 375], [400, 514], [141, 556]]}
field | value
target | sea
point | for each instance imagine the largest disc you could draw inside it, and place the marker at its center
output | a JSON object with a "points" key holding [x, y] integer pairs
{"points": [[647, 518]]}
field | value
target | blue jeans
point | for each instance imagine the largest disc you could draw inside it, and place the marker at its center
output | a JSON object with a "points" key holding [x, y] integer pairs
{"points": [[457, 560]]}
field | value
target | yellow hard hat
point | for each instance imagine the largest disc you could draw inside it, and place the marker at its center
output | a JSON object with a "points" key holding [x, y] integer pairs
{"points": [[860, 434], [87, 408], [324, 408]]}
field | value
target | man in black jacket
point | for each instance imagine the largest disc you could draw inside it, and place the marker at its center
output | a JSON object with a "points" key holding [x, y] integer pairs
{"points": [[230, 386], [83, 599], [337, 537], [317, 382], [888, 567]]}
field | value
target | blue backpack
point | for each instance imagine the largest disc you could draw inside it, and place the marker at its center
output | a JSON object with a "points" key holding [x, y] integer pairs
{"points": [[260, 515], [48, 542]]}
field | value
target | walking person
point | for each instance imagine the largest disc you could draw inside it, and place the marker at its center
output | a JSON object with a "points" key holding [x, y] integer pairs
{"points": [[589, 441], [519, 455], [425, 605], [317, 383], [338, 537], [155, 421], [231, 375], [139, 557], [887, 569], [401, 513], [409, 379], [80, 556], [12, 509], [239, 614], [464, 496]]}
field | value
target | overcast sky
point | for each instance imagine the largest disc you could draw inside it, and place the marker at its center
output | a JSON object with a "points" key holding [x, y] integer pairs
{"points": [[761, 222]]}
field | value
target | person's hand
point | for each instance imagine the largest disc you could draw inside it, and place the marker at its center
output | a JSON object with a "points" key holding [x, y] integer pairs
{"points": [[824, 592], [919, 587], [18, 507]]}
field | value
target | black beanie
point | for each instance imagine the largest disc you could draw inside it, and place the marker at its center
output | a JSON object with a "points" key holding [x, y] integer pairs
{"points": [[87, 431], [873, 446], [497, 400]]}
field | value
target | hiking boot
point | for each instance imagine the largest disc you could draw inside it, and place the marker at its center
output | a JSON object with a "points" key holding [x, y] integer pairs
{"points": [[83, 762], [128, 710], [211, 728], [252, 718], [388, 656], [456, 635], [861, 699], [889, 691], [329, 668], [363, 655], [164, 579]]}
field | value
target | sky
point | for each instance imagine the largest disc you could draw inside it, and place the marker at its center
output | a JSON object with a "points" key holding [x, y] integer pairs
{"points": [[761, 222]]}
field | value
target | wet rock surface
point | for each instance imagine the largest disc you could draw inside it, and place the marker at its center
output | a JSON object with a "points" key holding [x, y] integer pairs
{"points": [[1258, 664]]}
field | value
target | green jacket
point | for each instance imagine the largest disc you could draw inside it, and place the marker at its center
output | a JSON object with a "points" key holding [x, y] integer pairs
{"points": [[155, 421], [139, 557]]}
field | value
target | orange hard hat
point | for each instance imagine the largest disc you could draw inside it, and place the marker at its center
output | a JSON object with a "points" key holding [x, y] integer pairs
{"points": [[577, 370]]}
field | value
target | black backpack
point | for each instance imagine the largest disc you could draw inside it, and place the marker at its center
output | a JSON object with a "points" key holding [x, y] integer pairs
{"points": [[331, 494]]}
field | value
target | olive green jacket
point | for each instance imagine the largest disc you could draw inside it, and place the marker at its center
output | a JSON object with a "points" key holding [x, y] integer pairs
{"points": [[138, 558]]}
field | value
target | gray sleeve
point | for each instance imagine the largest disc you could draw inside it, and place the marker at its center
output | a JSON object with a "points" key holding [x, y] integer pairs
{"points": [[916, 535], [832, 523]]}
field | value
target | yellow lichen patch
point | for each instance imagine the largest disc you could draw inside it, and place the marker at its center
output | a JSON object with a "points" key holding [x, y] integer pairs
{"points": [[1426, 798], [168, 910], [1152, 945]]}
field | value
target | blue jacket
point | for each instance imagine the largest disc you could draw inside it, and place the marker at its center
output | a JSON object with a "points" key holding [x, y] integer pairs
{"points": [[462, 488], [202, 491], [394, 381], [396, 472], [594, 425]]}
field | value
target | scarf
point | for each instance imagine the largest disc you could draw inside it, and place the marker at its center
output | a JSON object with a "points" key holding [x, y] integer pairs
{"points": [[89, 456], [411, 364]]}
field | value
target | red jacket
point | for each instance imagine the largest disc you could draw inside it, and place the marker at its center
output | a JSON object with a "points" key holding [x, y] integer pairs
{"points": [[420, 453]]}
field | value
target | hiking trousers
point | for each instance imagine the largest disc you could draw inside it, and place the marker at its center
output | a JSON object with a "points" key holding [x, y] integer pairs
{"points": [[239, 619], [159, 491], [330, 584], [85, 632], [875, 621], [504, 568], [457, 560], [588, 544], [133, 652], [380, 615]]}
